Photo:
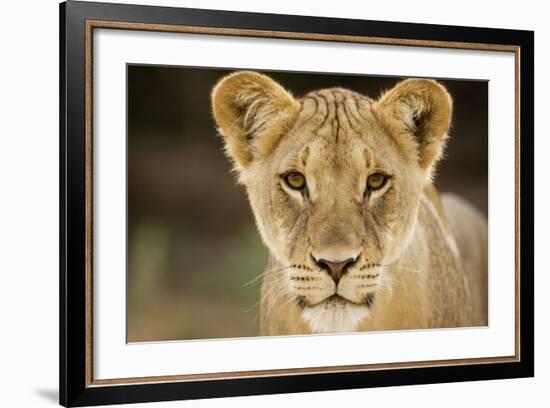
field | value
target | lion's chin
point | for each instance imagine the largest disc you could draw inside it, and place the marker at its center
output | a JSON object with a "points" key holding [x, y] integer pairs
{"points": [[334, 315]]}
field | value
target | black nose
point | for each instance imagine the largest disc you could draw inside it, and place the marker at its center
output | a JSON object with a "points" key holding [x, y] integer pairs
{"points": [[336, 269]]}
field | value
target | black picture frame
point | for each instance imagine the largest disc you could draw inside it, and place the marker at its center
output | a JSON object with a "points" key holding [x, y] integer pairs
{"points": [[75, 389]]}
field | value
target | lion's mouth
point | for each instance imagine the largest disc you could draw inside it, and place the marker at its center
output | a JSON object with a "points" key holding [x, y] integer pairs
{"points": [[336, 300]]}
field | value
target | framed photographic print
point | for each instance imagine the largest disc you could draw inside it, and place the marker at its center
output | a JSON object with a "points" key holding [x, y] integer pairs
{"points": [[255, 203]]}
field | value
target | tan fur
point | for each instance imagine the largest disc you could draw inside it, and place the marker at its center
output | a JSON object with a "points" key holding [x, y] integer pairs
{"points": [[420, 262]]}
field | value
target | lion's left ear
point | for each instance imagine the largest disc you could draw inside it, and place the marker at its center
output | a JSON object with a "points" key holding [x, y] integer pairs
{"points": [[418, 111]]}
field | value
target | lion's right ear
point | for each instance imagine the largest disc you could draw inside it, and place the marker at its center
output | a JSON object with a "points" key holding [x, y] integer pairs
{"points": [[252, 113]]}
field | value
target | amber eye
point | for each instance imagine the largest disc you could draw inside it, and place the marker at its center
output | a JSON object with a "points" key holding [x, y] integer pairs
{"points": [[295, 180], [376, 181]]}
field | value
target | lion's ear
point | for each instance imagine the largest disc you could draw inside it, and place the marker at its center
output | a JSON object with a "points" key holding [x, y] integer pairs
{"points": [[418, 111], [252, 113]]}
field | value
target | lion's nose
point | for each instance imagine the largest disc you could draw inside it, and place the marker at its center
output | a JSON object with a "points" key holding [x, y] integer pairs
{"points": [[336, 269]]}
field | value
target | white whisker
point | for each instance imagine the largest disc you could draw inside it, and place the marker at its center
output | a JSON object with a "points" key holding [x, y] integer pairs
{"points": [[262, 275]]}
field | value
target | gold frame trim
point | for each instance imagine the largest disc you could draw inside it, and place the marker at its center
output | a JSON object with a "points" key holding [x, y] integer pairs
{"points": [[96, 24]]}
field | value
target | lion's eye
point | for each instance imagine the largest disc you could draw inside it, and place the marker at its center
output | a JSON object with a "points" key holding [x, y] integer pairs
{"points": [[295, 180], [376, 181]]}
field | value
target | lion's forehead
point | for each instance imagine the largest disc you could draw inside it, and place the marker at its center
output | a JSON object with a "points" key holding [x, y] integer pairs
{"points": [[336, 114], [339, 127]]}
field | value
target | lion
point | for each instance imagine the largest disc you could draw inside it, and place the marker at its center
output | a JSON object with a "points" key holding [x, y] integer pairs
{"points": [[341, 187]]}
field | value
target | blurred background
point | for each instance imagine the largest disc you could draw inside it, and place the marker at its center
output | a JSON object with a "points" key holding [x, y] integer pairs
{"points": [[192, 242]]}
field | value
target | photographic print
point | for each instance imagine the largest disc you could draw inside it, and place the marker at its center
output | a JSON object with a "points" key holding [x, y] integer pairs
{"points": [[266, 203], [258, 204]]}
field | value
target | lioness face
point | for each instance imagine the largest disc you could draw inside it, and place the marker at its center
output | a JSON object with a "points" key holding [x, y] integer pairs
{"points": [[334, 180]]}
